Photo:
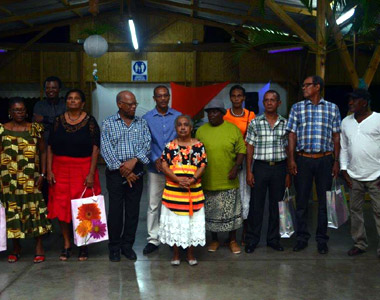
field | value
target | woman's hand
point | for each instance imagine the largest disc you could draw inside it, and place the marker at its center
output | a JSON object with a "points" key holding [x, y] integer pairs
{"points": [[39, 182], [184, 182], [89, 182], [50, 178], [233, 172]]}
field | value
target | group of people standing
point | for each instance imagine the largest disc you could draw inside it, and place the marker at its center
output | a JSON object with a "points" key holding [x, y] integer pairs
{"points": [[216, 180]]}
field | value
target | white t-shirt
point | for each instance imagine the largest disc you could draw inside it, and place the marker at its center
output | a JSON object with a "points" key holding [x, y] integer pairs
{"points": [[360, 147]]}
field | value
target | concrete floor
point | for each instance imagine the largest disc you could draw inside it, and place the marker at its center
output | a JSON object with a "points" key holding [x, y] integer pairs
{"points": [[265, 274]]}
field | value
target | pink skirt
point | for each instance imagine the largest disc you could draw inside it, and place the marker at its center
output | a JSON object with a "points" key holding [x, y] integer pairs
{"points": [[70, 174]]}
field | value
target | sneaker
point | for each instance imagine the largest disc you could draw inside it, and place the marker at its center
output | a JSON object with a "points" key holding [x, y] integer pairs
{"points": [[214, 245], [234, 247]]}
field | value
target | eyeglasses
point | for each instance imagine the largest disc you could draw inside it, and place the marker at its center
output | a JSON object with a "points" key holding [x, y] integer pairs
{"points": [[161, 96], [129, 104], [307, 84]]}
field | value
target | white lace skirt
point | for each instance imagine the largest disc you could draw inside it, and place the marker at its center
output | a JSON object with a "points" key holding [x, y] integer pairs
{"points": [[183, 231]]}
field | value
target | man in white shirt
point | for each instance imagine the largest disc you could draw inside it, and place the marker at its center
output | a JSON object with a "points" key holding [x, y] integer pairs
{"points": [[360, 164]]}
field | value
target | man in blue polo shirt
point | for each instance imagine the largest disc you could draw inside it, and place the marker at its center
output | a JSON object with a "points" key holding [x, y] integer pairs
{"points": [[161, 125]]}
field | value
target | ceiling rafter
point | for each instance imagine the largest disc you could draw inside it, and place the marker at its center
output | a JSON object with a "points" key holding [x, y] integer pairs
{"points": [[9, 13], [215, 12], [66, 3], [49, 12]]}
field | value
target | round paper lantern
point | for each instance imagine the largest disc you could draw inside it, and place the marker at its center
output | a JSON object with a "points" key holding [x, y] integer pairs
{"points": [[95, 46]]}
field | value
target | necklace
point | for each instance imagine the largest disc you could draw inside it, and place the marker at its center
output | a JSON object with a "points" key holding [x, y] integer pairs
{"points": [[235, 115], [73, 120]]}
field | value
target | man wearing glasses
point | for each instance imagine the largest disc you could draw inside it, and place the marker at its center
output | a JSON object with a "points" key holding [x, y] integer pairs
{"points": [[314, 145], [161, 125], [125, 147]]}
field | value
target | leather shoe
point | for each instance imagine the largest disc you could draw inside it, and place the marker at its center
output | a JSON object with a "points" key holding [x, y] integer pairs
{"points": [[114, 256], [355, 251], [300, 246], [149, 248], [276, 246], [322, 248], [249, 248], [129, 253]]}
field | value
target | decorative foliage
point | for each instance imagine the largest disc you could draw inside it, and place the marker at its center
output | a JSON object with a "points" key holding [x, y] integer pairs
{"points": [[98, 29]]}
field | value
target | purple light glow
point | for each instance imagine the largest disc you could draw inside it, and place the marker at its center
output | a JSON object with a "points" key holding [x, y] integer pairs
{"points": [[3, 51], [285, 50]]}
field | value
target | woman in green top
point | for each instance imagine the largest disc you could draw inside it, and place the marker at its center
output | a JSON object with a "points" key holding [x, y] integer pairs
{"points": [[226, 150], [21, 178]]}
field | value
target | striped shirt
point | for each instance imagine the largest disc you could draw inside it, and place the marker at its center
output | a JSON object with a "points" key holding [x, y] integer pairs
{"points": [[314, 125], [269, 143], [120, 142]]}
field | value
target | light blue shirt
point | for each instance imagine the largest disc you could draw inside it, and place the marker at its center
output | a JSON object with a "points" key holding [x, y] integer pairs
{"points": [[162, 130], [120, 142]]}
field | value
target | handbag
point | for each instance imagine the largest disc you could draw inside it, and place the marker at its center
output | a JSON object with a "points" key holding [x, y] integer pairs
{"points": [[3, 228], [337, 208], [89, 219], [287, 214]]}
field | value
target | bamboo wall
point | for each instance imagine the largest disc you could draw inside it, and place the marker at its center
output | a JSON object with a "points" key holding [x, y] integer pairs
{"points": [[197, 68]]}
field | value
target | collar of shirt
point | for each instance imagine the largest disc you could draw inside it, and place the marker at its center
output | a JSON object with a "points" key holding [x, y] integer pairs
{"points": [[308, 102], [263, 118], [118, 117], [169, 112]]}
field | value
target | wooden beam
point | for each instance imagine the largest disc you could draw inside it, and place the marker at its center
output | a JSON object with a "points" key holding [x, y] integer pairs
{"points": [[372, 67], [288, 8], [253, 4], [126, 47], [65, 3], [288, 21], [342, 48], [49, 12], [148, 35], [22, 48], [215, 12], [9, 13], [320, 59], [193, 20], [66, 22]]}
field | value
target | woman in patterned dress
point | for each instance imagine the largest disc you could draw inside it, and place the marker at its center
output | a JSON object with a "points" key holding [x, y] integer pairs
{"points": [[182, 221], [21, 179]]}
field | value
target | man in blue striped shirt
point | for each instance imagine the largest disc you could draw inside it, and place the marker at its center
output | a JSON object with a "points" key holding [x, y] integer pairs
{"points": [[125, 147], [314, 127]]}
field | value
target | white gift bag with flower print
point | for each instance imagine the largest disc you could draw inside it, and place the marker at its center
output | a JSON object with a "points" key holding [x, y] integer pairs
{"points": [[89, 220], [3, 229]]}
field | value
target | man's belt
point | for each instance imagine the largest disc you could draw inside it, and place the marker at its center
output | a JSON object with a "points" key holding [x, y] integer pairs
{"points": [[314, 155], [270, 163]]}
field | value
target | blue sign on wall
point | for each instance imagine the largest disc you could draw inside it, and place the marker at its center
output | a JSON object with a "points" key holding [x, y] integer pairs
{"points": [[139, 70]]}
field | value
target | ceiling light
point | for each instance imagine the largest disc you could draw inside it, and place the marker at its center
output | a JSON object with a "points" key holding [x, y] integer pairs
{"points": [[133, 34], [346, 16]]}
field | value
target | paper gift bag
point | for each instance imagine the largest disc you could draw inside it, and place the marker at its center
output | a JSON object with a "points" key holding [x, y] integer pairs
{"points": [[89, 220], [337, 208], [3, 229], [287, 213]]}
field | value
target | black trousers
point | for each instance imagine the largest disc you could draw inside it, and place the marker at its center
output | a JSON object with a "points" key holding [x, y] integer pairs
{"points": [[319, 169], [271, 179], [124, 208]]}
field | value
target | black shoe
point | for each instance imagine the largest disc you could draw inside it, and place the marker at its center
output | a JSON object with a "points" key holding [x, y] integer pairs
{"points": [[275, 246], [355, 251], [149, 248], [300, 246], [129, 253], [114, 256], [322, 248], [249, 248]]}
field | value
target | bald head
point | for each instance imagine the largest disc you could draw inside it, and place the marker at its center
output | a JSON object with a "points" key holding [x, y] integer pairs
{"points": [[127, 95]]}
